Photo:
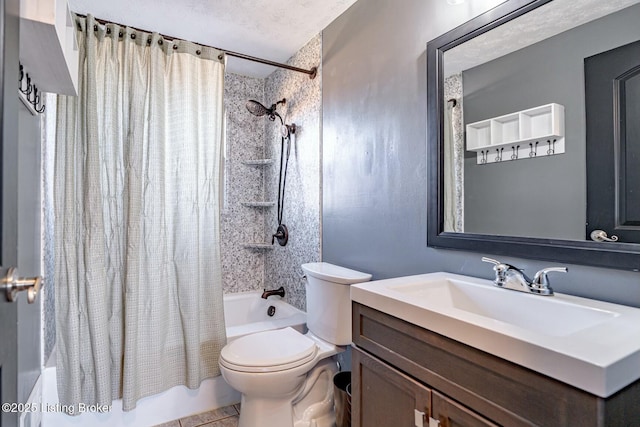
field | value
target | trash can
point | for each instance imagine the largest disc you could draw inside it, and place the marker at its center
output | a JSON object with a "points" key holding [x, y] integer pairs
{"points": [[342, 398]]}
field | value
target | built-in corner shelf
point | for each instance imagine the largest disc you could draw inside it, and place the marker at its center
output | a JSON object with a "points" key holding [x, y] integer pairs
{"points": [[259, 204], [258, 246], [526, 134], [257, 162]]}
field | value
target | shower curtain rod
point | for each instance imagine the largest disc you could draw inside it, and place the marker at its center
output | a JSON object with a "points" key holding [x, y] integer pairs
{"points": [[311, 72]]}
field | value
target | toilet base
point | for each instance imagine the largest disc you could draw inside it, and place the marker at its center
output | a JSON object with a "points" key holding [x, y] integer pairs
{"points": [[310, 406]]}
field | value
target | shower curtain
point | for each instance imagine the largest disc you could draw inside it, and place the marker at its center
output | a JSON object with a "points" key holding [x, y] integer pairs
{"points": [[137, 202]]}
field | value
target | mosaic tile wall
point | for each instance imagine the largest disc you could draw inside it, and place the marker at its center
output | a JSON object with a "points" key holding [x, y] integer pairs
{"points": [[242, 269], [250, 138], [302, 200], [47, 133]]}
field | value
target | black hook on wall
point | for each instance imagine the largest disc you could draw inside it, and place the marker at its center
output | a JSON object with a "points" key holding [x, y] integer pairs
{"points": [[30, 92]]}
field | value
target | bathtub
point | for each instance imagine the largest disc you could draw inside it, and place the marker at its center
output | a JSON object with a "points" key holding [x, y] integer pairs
{"points": [[245, 313]]}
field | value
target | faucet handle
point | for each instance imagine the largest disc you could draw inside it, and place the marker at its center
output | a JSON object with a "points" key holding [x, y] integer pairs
{"points": [[498, 266], [500, 269], [491, 260], [540, 284]]}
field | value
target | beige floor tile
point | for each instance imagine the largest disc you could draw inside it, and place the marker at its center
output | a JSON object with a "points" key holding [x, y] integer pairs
{"points": [[226, 422], [174, 423], [208, 417]]}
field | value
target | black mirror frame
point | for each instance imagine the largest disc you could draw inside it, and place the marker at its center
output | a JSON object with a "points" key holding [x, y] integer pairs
{"points": [[609, 255]]}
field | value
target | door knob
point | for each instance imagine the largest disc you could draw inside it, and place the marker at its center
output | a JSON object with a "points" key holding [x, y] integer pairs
{"points": [[601, 236], [12, 284]]}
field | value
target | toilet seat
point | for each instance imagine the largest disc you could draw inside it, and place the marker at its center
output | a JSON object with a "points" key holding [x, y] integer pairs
{"points": [[269, 351]]}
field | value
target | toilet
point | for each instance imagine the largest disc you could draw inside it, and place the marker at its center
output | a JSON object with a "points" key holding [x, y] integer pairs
{"points": [[285, 377]]}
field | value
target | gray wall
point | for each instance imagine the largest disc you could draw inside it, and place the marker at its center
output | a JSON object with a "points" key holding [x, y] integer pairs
{"points": [[546, 196], [28, 249], [374, 150]]}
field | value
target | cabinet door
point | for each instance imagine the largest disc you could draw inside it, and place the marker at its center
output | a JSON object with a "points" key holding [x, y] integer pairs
{"points": [[452, 414], [383, 396]]}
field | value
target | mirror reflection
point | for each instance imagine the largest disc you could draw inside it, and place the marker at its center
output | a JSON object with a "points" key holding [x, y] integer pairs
{"points": [[528, 107]]}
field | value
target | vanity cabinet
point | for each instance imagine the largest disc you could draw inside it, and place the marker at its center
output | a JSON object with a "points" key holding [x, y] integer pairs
{"points": [[390, 398], [401, 370]]}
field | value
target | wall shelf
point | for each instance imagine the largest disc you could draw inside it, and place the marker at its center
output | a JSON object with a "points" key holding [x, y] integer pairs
{"points": [[48, 45], [531, 133], [257, 162], [259, 204]]}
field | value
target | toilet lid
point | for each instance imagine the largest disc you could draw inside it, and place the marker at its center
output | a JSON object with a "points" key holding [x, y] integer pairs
{"points": [[268, 351]]}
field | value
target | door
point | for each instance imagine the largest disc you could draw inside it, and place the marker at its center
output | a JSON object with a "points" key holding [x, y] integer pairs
{"points": [[612, 99], [19, 228], [385, 397], [9, 30]]}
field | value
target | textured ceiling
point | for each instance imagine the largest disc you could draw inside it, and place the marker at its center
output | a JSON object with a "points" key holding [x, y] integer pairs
{"points": [[270, 29], [544, 22]]}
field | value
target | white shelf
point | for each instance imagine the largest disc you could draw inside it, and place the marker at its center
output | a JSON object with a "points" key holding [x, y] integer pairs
{"points": [[48, 45], [523, 134], [257, 162]]}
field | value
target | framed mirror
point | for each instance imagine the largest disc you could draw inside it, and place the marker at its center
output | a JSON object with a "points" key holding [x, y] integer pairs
{"points": [[533, 117]]}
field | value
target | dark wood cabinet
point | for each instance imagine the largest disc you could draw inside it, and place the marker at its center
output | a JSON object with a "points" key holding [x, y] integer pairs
{"points": [[392, 398], [385, 397], [399, 368]]}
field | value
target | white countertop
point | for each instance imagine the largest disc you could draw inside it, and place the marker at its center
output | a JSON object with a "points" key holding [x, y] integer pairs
{"points": [[589, 344]]}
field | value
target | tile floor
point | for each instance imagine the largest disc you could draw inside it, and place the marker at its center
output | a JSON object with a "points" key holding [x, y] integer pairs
{"points": [[221, 417]]}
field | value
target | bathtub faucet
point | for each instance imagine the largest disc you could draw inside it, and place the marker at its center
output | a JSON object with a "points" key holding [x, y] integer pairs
{"points": [[280, 292]]}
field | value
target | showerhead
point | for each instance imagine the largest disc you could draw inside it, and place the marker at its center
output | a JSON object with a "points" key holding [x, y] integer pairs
{"points": [[259, 110]]}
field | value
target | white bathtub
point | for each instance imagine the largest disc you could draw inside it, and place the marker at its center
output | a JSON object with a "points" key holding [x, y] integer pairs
{"points": [[245, 313]]}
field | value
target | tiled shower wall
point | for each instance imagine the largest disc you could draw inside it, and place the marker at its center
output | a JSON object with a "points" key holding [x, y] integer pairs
{"points": [[242, 269], [250, 137], [302, 200]]}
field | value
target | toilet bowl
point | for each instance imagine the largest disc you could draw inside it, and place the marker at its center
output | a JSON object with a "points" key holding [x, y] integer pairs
{"points": [[285, 377], [277, 380]]}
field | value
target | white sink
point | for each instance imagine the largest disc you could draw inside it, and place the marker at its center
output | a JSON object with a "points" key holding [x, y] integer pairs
{"points": [[544, 315], [589, 344]]}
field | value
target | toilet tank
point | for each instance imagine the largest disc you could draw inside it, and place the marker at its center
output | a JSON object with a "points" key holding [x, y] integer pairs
{"points": [[329, 300]]}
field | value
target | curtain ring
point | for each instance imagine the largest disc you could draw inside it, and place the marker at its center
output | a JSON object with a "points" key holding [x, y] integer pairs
{"points": [[149, 40], [120, 34], [108, 30], [198, 52], [133, 35], [95, 28], [175, 47]]}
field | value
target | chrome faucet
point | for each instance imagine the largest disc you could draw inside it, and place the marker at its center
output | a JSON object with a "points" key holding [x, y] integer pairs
{"points": [[510, 277], [280, 292]]}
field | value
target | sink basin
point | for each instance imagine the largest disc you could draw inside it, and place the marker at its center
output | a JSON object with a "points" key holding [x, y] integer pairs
{"points": [[544, 315], [592, 345]]}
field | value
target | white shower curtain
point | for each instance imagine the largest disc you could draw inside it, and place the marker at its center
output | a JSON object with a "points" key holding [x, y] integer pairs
{"points": [[137, 204]]}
